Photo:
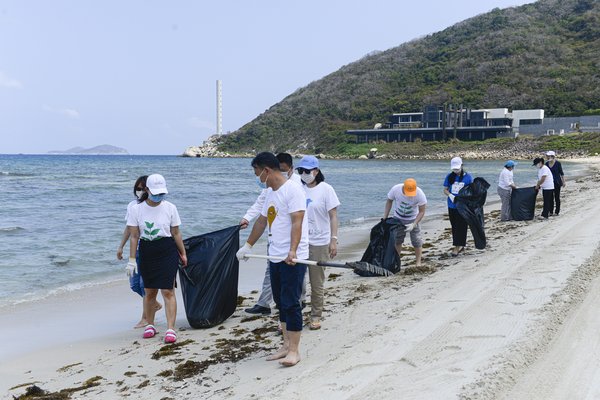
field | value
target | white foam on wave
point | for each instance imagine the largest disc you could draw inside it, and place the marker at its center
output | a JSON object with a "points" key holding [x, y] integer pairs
{"points": [[11, 229]]}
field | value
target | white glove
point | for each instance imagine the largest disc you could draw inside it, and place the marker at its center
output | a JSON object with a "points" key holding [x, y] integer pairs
{"points": [[131, 267], [451, 197], [409, 227], [242, 252]]}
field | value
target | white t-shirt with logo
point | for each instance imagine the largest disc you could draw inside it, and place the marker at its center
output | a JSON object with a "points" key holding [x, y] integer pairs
{"points": [[279, 204], [154, 222], [319, 201], [256, 208], [406, 208], [548, 183]]}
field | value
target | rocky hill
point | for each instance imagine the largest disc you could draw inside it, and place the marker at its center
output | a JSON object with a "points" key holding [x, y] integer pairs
{"points": [[540, 55]]}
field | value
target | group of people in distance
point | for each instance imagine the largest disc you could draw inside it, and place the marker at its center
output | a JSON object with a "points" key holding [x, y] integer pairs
{"points": [[299, 213], [551, 179]]}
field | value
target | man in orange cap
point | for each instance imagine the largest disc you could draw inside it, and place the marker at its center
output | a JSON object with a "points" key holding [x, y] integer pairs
{"points": [[410, 204]]}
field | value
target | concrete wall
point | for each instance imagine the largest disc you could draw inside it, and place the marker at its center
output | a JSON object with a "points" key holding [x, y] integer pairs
{"points": [[562, 125]]}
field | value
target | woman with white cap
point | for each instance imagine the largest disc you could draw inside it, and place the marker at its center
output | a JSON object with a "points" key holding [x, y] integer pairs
{"points": [[558, 176], [321, 208], [505, 186], [456, 180], [155, 222]]}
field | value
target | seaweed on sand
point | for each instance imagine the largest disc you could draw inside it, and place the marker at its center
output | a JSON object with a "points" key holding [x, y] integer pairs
{"points": [[170, 349], [34, 392], [230, 350]]}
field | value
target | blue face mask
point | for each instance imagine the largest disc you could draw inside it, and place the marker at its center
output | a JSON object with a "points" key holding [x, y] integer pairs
{"points": [[157, 198], [262, 185]]}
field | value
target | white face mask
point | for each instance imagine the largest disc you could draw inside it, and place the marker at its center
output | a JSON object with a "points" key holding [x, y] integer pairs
{"points": [[456, 170], [286, 174], [139, 193], [307, 178]]}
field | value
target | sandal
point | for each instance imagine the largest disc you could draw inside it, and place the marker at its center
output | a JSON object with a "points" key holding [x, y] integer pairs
{"points": [[149, 332], [314, 325], [453, 254], [170, 336]]}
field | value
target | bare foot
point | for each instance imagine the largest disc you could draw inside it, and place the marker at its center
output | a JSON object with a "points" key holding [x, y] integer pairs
{"points": [[157, 306], [141, 324], [281, 353], [291, 359]]}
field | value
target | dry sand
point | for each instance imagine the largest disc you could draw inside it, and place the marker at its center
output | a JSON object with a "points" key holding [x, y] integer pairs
{"points": [[515, 321]]}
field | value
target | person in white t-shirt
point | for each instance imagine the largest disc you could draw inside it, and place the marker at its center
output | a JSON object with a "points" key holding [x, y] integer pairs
{"points": [[546, 183], [505, 186], [410, 204], [321, 206], [136, 283], [284, 217], [155, 224], [286, 166]]}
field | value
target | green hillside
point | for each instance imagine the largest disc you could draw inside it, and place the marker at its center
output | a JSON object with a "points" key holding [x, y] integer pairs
{"points": [[541, 55]]}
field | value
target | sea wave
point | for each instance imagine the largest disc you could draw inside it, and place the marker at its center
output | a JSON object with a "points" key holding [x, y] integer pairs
{"points": [[11, 229], [9, 173]]}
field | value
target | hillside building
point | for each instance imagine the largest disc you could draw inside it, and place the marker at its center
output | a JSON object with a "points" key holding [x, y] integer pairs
{"points": [[446, 122]]}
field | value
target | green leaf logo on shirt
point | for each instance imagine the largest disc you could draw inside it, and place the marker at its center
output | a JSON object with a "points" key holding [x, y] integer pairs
{"points": [[149, 232]]}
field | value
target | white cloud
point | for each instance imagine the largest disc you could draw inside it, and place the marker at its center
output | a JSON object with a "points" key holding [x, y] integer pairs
{"points": [[66, 112], [7, 81], [200, 123]]}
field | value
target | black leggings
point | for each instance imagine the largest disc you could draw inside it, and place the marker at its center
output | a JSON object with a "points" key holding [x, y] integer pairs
{"points": [[556, 198], [459, 228]]}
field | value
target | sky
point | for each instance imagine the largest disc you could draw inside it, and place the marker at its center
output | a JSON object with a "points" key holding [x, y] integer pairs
{"points": [[141, 74]]}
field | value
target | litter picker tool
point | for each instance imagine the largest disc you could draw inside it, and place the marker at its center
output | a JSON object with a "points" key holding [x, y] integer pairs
{"points": [[356, 266]]}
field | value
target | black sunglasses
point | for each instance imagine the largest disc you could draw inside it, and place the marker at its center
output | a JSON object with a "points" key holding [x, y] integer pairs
{"points": [[304, 170]]}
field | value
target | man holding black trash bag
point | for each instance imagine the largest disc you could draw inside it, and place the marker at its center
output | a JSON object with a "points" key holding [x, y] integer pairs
{"points": [[409, 210], [546, 183], [284, 215]]}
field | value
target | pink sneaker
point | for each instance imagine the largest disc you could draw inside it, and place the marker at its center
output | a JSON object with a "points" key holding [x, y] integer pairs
{"points": [[149, 332], [170, 336]]}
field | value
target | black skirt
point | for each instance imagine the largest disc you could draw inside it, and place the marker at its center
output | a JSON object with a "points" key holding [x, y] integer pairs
{"points": [[159, 260]]}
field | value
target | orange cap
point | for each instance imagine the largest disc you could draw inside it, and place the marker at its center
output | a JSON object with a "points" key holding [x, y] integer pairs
{"points": [[410, 187]]}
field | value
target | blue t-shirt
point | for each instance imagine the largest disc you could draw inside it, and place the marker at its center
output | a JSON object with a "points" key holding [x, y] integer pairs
{"points": [[458, 184]]}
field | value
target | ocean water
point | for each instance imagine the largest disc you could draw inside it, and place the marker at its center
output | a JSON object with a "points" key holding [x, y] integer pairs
{"points": [[62, 216]]}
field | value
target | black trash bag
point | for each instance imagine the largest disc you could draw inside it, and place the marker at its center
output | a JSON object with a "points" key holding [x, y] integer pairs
{"points": [[209, 283], [522, 203], [469, 203], [381, 250]]}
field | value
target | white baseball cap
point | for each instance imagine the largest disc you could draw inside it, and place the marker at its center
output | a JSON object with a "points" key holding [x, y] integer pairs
{"points": [[156, 184], [551, 153], [456, 163]]}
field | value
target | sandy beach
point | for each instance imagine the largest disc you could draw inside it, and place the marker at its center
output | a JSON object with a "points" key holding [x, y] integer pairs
{"points": [[517, 320]]}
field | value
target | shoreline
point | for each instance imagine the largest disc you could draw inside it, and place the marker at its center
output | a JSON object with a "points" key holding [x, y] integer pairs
{"points": [[437, 331]]}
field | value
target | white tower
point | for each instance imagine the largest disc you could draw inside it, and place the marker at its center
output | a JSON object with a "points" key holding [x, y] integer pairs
{"points": [[219, 109]]}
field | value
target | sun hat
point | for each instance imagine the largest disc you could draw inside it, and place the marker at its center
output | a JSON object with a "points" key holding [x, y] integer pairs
{"points": [[308, 162], [410, 187], [456, 163], [538, 160], [510, 164], [551, 153], [156, 184]]}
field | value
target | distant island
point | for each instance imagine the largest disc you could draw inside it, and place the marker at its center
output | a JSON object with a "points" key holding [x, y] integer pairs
{"points": [[102, 149]]}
